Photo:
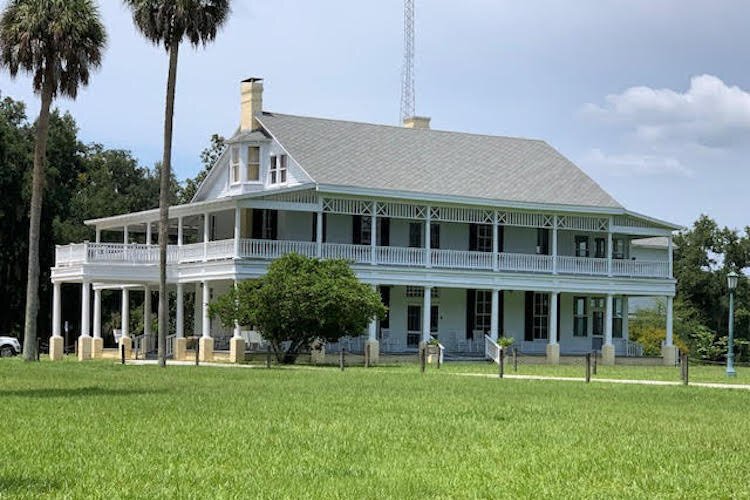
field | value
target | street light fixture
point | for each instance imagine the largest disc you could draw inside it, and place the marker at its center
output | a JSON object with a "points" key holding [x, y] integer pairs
{"points": [[732, 278]]}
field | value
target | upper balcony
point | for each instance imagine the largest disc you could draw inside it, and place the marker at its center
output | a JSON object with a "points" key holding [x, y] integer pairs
{"points": [[421, 258]]}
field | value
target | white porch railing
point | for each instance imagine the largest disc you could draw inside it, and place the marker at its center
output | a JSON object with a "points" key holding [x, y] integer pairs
{"points": [[525, 262], [134, 253], [492, 350], [461, 259], [582, 265]]}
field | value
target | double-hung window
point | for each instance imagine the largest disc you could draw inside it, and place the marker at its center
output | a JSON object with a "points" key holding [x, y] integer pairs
{"points": [[483, 311], [541, 316], [413, 325], [618, 248], [542, 241], [277, 170], [617, 317], [582, 246], [600, 248], [235, 164], [253, 163], [415, 234], [597, 306], [580, 317], [484, 238]]}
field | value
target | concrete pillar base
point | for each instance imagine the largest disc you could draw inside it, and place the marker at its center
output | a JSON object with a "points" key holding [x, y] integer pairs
{"points": [[128, 343], [318, 353], [180, 349], [669, 354], [56, 345], [206, 345], [97, 347], [84, 347], [374, 346], [608, 354], [553, 354], [237, 350]]}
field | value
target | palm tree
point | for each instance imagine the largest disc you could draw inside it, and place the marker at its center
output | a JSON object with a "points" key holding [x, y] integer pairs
{"points": [[167, 23], [58, 42]]}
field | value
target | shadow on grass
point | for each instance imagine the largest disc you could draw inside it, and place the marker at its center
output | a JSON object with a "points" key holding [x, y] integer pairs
{"points": [[76, 392], [18, 485]]}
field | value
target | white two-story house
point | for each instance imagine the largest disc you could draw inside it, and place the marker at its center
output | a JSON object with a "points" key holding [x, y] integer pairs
{"points": [[464, 235]]}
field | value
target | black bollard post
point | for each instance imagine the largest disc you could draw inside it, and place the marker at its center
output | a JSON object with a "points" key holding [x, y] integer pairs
{"points": [[197, 352], [367, 356], [422, 358], [122, 353], [595, 357], [588, 367], [686, 369], [439, 358], [500, 363], [515, 359]]}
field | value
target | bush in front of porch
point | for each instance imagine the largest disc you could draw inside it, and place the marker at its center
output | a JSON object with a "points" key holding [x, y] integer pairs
{"points": [[301, 300]]}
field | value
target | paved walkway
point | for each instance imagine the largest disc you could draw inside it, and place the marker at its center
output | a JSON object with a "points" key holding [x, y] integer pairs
{"points": [[710, 385]]}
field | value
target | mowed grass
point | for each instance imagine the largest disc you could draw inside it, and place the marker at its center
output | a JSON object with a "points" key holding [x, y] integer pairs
{"points": [[102, 430], [696, 372]]}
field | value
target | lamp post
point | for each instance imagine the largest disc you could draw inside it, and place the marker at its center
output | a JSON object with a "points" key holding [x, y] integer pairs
{"points": [[732, 285]]}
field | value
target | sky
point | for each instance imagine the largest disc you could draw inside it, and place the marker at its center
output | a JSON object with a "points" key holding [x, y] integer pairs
{"points": [[650, 98]]}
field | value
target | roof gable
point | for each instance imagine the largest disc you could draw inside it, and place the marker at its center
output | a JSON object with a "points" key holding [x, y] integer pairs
{"points": [[435, 162]]}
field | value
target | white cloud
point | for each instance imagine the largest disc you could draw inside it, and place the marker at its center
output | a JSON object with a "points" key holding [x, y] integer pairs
{"points": [[709, 113], [636, 165]]}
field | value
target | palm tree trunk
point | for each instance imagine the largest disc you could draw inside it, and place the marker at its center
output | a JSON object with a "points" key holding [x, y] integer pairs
{"points": [[37, 195], [164, 191]]}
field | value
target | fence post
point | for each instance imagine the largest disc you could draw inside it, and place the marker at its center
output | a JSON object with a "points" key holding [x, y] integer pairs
{"points": [[122, 353], [439, 357], [588, 367], [197, 351], [367, 355], [500, 363], [685, 369], [515, 359], [595, 358], [341, 358], [422, 357]]}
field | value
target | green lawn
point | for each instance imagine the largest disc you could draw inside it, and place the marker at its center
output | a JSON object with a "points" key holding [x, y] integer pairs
{"points": [[105, 430]]}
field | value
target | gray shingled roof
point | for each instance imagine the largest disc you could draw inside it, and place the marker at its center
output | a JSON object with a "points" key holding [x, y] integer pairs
{"points": [[435, 162]]}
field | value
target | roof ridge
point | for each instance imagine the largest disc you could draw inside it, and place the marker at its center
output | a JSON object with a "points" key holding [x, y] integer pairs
{"points": [[399, 127]]}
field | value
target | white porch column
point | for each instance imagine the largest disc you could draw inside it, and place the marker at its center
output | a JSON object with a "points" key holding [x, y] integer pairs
{"points": [[427, 239], [179, 231], [97, 344], [374, 233], [206, 223], [237, 228], [608, 349], [206, 341], [319, 233], [147, 310], [180, 314], [125, 313], [495, 245], [56, 342], [554, 244], [553, 346], [609, 247], [98, 235], [148, 233], [669, 351], [426, 317], [495, 316], [84, 341], [670, 249], [125, 234]]}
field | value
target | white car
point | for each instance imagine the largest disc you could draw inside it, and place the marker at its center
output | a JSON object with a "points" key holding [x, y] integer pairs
{"points": [[9, 346]]}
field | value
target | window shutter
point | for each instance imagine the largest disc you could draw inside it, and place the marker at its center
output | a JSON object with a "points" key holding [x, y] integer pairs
{"points": [[257, 223], [471, 297], [435, 235], [385, 298], [501, 310], [472, 237], [500, 238], [384, 231], [273, 219], [314, 227], [325, 226], [559, 302], [529, 317], [356, 229]]}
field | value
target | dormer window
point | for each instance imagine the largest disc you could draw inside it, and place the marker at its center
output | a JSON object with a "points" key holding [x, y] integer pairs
{"points": [[253, 163], [278, 169], [235, 164]]}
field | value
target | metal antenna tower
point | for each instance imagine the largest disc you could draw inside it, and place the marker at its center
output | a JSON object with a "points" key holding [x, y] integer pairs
{"points": [[408, 106]]}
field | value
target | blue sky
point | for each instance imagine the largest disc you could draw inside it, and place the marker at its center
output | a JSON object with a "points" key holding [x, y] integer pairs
{"points": [[651, 99]]}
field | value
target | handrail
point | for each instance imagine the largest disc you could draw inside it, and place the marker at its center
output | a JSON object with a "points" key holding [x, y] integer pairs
{"points": [[491, 349]]}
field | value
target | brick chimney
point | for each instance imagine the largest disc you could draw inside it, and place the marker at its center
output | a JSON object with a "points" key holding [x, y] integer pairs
{"points": [[417, 122], [251, 103]]}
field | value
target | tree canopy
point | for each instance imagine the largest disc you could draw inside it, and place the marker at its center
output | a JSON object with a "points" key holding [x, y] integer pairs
{"points": [[301, 300]]}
